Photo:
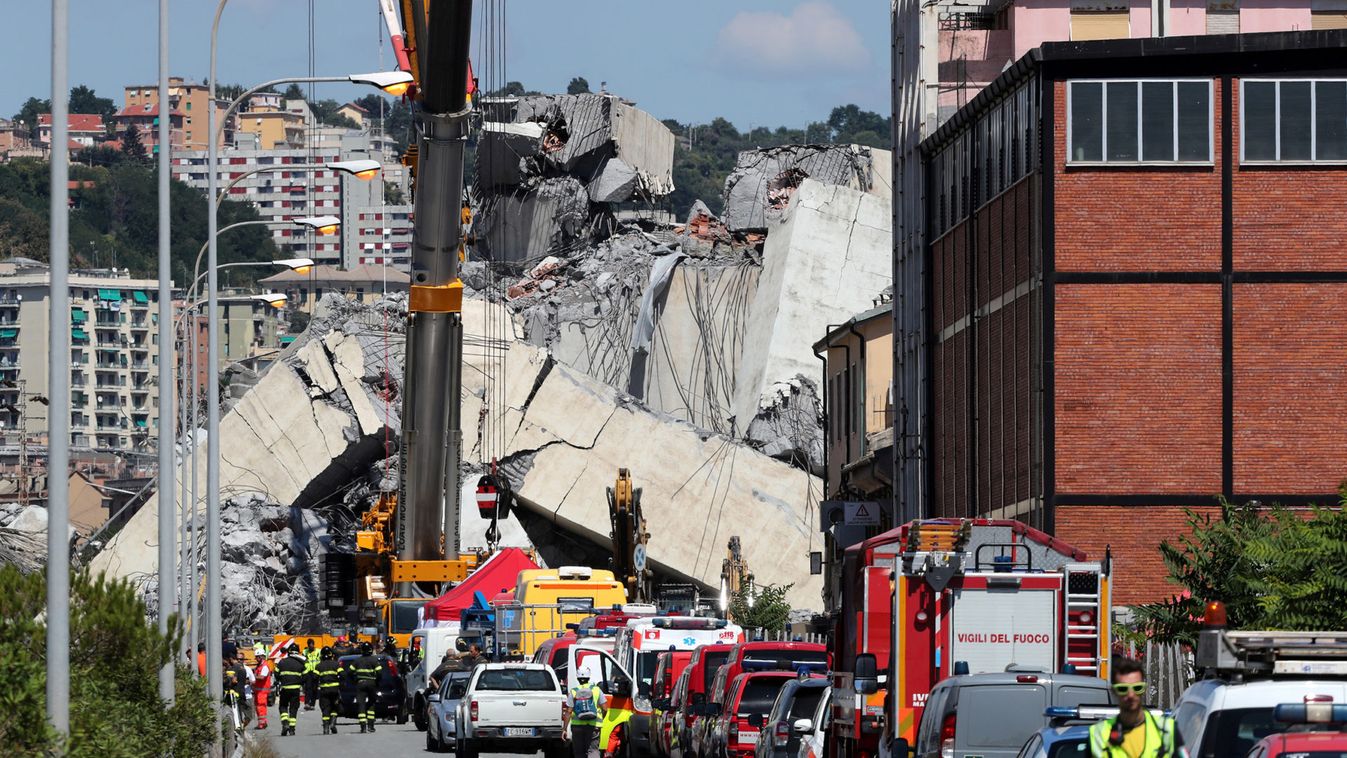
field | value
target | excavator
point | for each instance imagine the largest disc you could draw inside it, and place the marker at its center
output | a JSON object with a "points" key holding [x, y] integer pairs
{"points": [[629, 538]]}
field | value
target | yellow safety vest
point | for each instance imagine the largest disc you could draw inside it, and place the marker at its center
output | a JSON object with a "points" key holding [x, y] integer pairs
{"points": [[1159, 738]]}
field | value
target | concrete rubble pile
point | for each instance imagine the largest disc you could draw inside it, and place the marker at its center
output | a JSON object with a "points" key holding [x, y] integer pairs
{"points": [[23, 536], [559, 172], [316, 432], [271, 562], [700, 325]]}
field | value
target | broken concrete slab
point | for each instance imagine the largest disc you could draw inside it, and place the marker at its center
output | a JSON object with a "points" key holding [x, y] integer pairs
{"points": [[527, 225], [616, 182], [826, 259], [763, 181]]}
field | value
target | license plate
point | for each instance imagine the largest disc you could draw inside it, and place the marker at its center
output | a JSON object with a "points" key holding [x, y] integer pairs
{"points": [[518, 731]]}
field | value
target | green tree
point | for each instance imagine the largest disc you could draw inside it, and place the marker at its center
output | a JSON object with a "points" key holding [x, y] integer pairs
{"points": [[578, 86], [514, 89], [1274, 568], [84, 100], [325, 111], [293, 92], [132, 144], [115, 650], [29, 112], [767, 609]]}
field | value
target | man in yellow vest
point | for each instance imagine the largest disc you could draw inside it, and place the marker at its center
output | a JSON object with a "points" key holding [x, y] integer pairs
{"points": [[1134, 732]]}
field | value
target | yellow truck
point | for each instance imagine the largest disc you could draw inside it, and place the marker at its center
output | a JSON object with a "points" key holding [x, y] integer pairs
{"points": [[547, 600]]}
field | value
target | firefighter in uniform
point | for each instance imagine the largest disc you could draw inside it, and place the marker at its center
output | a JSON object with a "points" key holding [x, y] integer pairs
{"points": [[290, 675], [328, 672], [366, 669], [584, 710], [1134, 732]]}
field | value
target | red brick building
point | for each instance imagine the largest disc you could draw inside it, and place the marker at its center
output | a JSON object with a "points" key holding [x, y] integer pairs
{"points": [[1136, 273]]}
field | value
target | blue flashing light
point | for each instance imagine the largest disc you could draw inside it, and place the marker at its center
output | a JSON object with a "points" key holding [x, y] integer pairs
{"points": [[1310, 713], [1061, 712], [961, 668]]}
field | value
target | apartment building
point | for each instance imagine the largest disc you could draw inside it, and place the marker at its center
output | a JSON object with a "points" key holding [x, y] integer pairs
{"points": [[944, 53], [187, 98], [249, 327], [1135, 288], [84, 129], [377, 235], [145, 119], [114, 354]]}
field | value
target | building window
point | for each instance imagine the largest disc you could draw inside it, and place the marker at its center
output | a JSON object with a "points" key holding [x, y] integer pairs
{"points": [[1293, 120], [1099, 20], [1139, 121], [1222, 16]]}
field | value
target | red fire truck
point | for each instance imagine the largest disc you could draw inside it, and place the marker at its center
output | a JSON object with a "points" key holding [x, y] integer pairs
{"points": [[932, 598]]}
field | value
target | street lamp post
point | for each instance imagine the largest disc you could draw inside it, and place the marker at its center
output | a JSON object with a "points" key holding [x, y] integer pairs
{"points": [[166, 434], [393, 82]]}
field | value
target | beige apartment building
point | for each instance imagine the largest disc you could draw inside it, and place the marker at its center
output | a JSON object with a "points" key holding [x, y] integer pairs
{"points": [[189, 98], [114, 355]]}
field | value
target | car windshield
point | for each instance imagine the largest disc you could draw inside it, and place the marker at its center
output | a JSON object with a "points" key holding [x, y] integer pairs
{"points": [[713, 661], [759, 694], [805, 703], [1236, 731], [645, 666], [512, 680], [1072, 748]]}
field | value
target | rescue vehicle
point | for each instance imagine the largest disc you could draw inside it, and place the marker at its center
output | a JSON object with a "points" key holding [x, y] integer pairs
{"points": [[974, 595], [638, 647]]}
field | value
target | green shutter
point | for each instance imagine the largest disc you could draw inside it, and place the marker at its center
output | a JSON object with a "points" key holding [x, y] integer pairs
{"points": [[139, 296], [8, 334], [114, 296], [79, 334], [78, 316]]}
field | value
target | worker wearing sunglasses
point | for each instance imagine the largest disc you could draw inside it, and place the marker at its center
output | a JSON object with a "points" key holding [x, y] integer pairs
{"points": [[1135, 732]]}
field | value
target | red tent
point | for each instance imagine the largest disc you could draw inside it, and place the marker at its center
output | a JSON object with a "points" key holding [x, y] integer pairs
{"points": [[496, 574]]}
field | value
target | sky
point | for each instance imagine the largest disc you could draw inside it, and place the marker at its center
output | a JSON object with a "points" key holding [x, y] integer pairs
{"points": [[756, 62]]}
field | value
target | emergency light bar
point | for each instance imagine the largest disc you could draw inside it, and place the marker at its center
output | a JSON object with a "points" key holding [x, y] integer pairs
{"points": [[1089, 712], [1310, 713], [687, 622], [604, 632]]}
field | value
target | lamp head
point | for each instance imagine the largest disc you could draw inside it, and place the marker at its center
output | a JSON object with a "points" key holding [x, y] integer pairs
{"points": [[395, 83], [361, 169]]}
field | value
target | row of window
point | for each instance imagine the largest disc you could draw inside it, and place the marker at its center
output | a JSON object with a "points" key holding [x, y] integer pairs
{"points": [[1171, 121]]}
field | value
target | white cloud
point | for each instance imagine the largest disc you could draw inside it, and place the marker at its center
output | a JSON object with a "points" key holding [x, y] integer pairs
{"points": [[813, 39]]}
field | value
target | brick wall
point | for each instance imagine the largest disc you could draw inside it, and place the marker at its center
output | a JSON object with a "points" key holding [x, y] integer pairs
{"points": [[1290, 360], [1135, 218], [1134, 533], [1138, 388]]}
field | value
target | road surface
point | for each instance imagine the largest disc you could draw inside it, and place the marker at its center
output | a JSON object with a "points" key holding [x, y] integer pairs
{"points": [[392, 740]]}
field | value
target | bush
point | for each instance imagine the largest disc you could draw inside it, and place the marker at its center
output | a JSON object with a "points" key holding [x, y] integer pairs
{"points": [[1274, 568], [115, 654], [768, 609]]}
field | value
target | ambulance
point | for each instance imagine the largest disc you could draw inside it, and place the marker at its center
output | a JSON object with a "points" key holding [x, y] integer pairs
{"points": [[639, 645]]}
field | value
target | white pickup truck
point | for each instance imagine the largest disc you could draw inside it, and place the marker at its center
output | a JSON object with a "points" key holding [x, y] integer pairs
{"points": [[511, 708]]}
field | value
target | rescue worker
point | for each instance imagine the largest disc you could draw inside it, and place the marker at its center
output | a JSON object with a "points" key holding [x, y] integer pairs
{"points": [[329, 679], [290, 675], [473, 656], [1134, 732], [583, 713], [311, 658], [262, 689], [201, 659], [366, 669]]}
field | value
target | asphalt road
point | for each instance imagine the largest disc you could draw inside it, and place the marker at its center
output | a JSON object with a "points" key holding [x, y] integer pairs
{"points": [[390, 740]]}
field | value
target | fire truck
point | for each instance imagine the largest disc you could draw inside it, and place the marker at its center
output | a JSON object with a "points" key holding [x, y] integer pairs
{"points": [[933, 598]]}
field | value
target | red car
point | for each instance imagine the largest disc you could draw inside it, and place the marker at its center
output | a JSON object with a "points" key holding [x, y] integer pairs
{"points": [[733, 730]]}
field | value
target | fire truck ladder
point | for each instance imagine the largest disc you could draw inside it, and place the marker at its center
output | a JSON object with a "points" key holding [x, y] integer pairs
{"points": [[1083, 621], [939, 537]]}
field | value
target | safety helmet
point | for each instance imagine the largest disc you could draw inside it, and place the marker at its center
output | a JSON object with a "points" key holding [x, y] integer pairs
{"points": [[294, 648], [390, 642], [366, 648], [327, 653], [582, 676]]}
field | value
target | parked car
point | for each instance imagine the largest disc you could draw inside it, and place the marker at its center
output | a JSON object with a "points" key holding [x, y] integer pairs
{"points": [[791, 717], [993, 715], [666, 718], [669, 667], [390, 701], [705, 662], [1217, 718], [1068, 732], [510, 708], [812, 742], [442, 711], [733, 724]]}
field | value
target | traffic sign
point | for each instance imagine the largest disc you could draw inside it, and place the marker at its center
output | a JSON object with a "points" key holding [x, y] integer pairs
{"points": [[638, 558], [860, 513]]}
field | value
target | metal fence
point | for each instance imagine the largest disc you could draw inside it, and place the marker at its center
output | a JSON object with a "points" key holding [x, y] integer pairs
{"points": [[1169, 671]]}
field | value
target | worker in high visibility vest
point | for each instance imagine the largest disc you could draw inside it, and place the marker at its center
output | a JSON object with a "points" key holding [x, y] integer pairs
{"points": [[1134, 732]]}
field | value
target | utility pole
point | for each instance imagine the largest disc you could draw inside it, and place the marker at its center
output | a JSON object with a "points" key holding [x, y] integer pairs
{"points": [[58, 368], [165, 417]]}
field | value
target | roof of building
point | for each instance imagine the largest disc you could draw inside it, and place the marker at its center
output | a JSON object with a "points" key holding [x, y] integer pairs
{"points": [[356, 107], [835, 331], [332, 274], [78, 122], [1259, 53], [149, 109]]}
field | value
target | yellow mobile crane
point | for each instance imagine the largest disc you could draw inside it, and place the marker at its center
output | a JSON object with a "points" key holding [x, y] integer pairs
{"points": [[409, 545]]}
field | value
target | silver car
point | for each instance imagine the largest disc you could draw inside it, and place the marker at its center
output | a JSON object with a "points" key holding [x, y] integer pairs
{"points": [[441, 711]]}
